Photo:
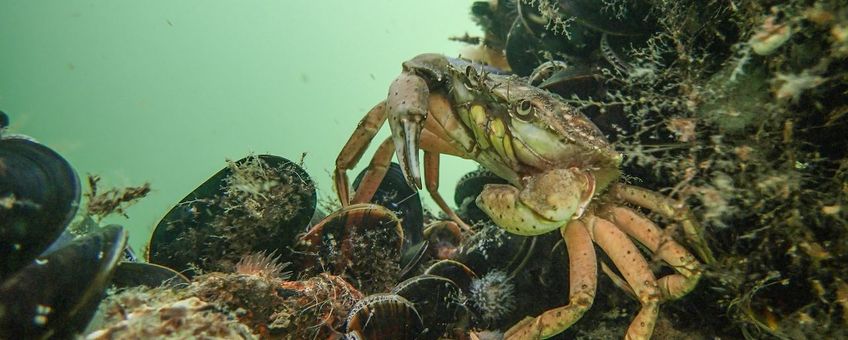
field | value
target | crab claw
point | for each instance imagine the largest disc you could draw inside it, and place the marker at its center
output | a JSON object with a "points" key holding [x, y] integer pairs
{"points": [[407, 110]]}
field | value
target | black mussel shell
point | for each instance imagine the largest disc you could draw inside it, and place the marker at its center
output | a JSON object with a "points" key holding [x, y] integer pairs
{"points": [[384, 316], [630, 18], [394, 193], [455, 271], [56, 295], [132, 274], [522, 49], [494, 248], [4, 120], [413, 257], [577, 79], [468, 188], [532, 41], [189, 236], [438, 300], [39, 195]]}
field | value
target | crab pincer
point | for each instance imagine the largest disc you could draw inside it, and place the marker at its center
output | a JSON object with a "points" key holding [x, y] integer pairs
{"points": [[407, 110]]}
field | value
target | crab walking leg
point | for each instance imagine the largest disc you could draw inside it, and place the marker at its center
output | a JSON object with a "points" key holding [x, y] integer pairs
{"points": [[670, 209], [672, 286], [375, 172], [431, 178], [635, 270], [355, 148], [583, 282]]}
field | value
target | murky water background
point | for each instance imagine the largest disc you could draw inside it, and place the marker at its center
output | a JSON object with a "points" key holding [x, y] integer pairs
{"points": [[165, 91]]}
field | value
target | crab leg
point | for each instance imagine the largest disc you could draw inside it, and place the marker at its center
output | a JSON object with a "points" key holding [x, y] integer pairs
{"points": [[375, 172], [670, 209], [649, 234], [635, 270], [431, 178], [583, 281], [355, 148]]}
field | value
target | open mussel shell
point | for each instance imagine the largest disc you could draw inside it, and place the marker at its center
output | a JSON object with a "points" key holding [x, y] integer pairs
{"points": [[384, 316], [133, 274], [394, 193], [468, 188], [55, 296], [39, 195], [444, 239], [200, 232], [438, 300]]}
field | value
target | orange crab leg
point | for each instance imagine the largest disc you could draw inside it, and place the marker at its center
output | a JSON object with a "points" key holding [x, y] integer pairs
{"points": [[668, 208], [355, 148], [635, 270], [649, 234], [375, 172], [583, 282], [431, 178]]}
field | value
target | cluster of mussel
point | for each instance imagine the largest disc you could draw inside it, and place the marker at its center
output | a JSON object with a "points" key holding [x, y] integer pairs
{"points": [[572, 48], [383, 269], [581, 35], [50, 283]]}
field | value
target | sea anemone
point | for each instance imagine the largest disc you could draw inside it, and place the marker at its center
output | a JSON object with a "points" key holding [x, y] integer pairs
{"points": [[493, 295], [263, 265]]}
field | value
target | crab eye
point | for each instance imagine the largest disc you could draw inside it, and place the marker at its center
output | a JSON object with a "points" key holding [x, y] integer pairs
{"points": [[524, 109]]}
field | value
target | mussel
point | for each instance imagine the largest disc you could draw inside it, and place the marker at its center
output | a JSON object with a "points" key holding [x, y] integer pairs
{"points": [[362, 242], [468, 188], [395, 194], [444, 239], [258, 203], [39, 195], [55, 296], [457, 272], [439, 302], [531, 33], [132, 274], [384, 316]]}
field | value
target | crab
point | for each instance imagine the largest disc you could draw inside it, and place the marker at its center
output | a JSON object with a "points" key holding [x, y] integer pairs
{"points": [[562, 174]]}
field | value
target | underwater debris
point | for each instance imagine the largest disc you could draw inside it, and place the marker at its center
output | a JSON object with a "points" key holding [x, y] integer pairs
{"points": [[790, 86], [143, 314], [112, 201], [230, 305], [317, 307], [770, 36]]}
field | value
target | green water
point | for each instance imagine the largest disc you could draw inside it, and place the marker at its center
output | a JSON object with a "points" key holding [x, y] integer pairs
{"points": [[165, 91]]}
